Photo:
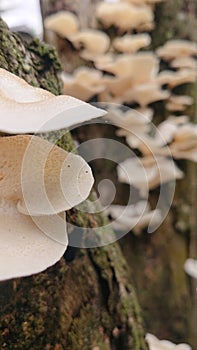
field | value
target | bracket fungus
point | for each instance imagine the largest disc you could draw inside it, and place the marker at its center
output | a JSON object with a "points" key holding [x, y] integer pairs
{"points": [[91, 40], [131, 43], [29, 109], [156, 344], [123, 16], [64, 23], [133, 217], [148, 173], [38, 182], [190, 267], [83, 84]]}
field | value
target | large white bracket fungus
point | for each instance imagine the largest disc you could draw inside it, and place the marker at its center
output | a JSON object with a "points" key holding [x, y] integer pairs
{"points": [[41, 181], [25, 109]]}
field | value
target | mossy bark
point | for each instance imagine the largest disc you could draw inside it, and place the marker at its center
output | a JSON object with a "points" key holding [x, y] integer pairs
{"points": [[77, 306]]}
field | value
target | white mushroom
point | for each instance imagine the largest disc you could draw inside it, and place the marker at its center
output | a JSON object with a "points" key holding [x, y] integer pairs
{"points": [[177, 48], [123, 16], [133, 217], [83, 84], [25, 249], [148, 173], [91, 40], [184, 62], [19, 114], [141, 67], [180, 77], [156, 344], [190, 267], [131, 43], [179, 102], [131, 121], [41, 181], [145, 94], [63, 23], [43, 178]]}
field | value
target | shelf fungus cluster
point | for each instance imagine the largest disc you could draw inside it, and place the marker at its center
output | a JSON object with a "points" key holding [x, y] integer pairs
{"points": [[125, 71], [38, 180]]}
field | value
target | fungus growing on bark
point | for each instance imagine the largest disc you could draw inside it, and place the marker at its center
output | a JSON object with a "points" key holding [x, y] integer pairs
{"points": [[123, 16], [133, 217], [190, 267], [156, 344], [38, 111], [179, 102], [39, 181], [83, 84], [148, 173], [177, 48], [131, 43], [91, 40], [64, 23]]}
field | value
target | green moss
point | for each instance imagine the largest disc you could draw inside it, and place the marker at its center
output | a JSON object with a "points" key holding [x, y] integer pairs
{"points": [[36, 62]]}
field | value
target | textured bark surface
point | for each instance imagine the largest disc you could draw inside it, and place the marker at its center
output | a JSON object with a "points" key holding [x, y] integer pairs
{"points": [[77, 306]]}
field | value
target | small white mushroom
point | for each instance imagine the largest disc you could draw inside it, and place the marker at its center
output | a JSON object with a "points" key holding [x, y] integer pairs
{"points": [[133, 217], [19, 114], [148, 173], [184, 62], [145, 94], [174, 79], [131, 43], [190, 267], [178, 102], [63, 23], [83, 84], [123, 16], [131, 121], [91, 40], [141, 67], [177, 48], [156, 344]]}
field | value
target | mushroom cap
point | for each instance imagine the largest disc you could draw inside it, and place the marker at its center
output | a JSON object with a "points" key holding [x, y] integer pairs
{"points": [[19, 90], [184, 62], [115, 85], [190, 267], [177, 48], [151, 173], [156, 344], [84, 84], [43, 178], [92, 40], [25, 248], [142, 67], [174, 79], [131, 43], [132, 217], [20, 114], [145, 94], [179, 102], [63, 23], [130, 121], [122, 15]]}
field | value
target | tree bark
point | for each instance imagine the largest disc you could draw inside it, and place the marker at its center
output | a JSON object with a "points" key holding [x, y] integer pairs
{"points": [[86, 304]]}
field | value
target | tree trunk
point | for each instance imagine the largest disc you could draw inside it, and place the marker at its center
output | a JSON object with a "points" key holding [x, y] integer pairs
{"points": [[87, 304]]}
